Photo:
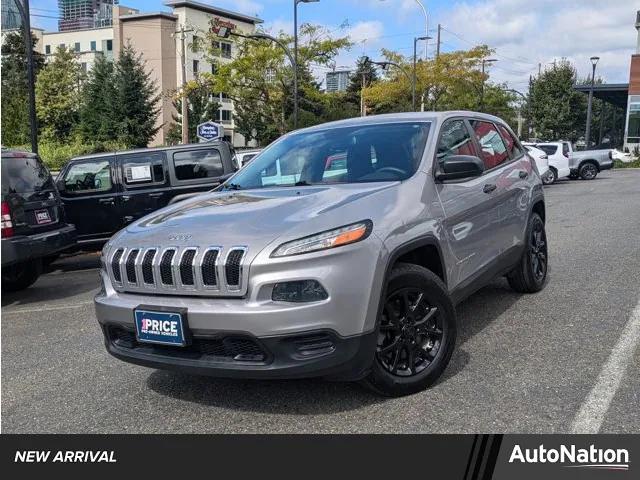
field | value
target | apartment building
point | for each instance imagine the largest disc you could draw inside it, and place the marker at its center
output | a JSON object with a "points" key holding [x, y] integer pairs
{"points": [[337, 80]]}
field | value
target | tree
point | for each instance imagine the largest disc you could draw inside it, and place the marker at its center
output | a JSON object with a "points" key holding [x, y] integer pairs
{"points": [[15, 94], [558, 110], [97, 118], [259, 80], [201, 107], [58, 95], [135, 106]]}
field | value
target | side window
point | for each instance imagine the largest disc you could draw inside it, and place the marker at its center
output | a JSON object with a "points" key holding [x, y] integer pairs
{"points": [[143, 169], [565, 149], [454, 140], [494, 151], [88, 177], [548, 149], [195, 164], [513, 148]]}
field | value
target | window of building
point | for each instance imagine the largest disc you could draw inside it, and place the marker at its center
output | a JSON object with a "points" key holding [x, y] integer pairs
{"points": [[196, 65], [109, 45], [633, 133], [195, 43], [494, 151], [61, 45], [77, 47], [225, 49], [224, 116], [47, 49], [143, 169], [214, 69], [83, 66], [194, 164], [93, 45]]}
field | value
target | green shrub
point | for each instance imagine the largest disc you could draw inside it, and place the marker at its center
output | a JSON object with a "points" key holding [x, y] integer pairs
{"points": [[55, 154], [633, 164]]}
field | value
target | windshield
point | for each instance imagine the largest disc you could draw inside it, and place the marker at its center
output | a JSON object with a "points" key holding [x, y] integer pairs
{"points": [[365, 153]]}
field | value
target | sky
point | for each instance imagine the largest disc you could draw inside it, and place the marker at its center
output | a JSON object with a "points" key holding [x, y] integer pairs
{"points": [[524, 33]]}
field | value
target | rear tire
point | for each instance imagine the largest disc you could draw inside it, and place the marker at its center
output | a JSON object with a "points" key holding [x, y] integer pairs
{"points": [[550, 176], [20, 276], [530, 275], [588, 171], [416, 333]]}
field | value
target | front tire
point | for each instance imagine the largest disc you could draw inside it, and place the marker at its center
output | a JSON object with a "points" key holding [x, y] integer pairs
{"points": [[530, 274], [416, 333], [20, 276], [588, 171]]}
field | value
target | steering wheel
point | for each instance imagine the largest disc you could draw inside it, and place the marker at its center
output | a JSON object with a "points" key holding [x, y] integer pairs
{"points": [[396, 170]]}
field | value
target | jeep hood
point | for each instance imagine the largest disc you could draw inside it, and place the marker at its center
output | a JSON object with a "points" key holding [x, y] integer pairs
{"points": [[256, 218]]}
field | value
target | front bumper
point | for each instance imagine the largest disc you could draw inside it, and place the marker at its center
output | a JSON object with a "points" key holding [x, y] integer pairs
{"points": [[23, 248], [238, 355]]}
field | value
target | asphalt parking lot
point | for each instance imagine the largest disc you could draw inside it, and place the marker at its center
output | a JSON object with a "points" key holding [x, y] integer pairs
{"points": [[559, 361]]}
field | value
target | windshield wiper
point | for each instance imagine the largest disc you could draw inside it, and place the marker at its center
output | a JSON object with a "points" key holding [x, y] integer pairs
{"points": [[232, 186], [301, 183]]}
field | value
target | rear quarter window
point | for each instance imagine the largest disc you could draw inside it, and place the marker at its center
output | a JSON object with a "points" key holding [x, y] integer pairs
{"points": [[24, 175], [548, 149], [198, 164]]}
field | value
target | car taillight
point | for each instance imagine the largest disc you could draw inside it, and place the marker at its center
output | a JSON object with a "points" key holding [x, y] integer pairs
{"points": [[7, 224]]}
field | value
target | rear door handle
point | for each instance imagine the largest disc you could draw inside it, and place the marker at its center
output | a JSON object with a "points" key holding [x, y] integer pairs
{"points": [[108, 201], [489, 187], [523, 174], [156, 195]]}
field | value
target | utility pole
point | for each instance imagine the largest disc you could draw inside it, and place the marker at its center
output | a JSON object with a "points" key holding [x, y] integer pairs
{"points": [[438, 45], [23, 8], [363, 107], [587, 134], [413, 79], [185, 111], [484, 62]]}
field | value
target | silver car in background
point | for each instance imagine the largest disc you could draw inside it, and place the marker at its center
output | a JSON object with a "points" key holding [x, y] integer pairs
{"points": [[339, 252]]}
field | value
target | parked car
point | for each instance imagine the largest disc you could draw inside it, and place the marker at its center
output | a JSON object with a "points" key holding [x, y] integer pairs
{"points": [[624, 157], [34, 226], [586, 164], [103, 193], [351, 277], [558, 158], [542, 163], [245, 156]]}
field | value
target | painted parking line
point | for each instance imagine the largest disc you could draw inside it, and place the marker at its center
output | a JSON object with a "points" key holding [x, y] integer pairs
{"points": [[46, 308], [591, 414]]}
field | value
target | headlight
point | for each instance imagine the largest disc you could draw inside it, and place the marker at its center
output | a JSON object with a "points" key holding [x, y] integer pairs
{"points": [[329, 239]]}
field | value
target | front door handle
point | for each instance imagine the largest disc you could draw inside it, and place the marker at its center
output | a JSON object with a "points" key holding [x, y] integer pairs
{"points": [[107, 201], [156, 195], [523, 174], [489, 187]]}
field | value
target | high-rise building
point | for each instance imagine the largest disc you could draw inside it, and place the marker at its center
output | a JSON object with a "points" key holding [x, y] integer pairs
{"points": [[338, 80], [10, 15], [83, 14]]}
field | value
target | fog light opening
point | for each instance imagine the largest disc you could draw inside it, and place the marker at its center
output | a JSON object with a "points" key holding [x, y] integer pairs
{"points": [[299, 291]]}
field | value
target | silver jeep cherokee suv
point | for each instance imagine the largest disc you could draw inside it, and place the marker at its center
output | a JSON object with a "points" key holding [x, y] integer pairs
{"points": [[339, 252]]}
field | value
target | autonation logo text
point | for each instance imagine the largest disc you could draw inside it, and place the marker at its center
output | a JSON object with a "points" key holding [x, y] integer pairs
{"points": [[571, 456]]}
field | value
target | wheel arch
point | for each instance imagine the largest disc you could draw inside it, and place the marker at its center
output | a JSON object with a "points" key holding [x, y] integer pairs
{"points": [[539, 208], [424, 251]]}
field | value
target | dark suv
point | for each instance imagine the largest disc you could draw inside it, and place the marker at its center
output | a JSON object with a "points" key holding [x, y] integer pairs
{"points": [[33, 219], [106, 192]]}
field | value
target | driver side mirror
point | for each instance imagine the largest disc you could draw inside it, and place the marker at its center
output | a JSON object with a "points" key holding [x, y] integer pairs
{"points": [[456, 167], [60, 185]]}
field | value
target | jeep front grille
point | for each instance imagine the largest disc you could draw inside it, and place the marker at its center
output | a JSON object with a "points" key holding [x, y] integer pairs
{"points": [[210, 271]]}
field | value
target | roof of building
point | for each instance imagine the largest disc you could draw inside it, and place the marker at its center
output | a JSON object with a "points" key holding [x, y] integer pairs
{"points": [[614, 93], [215, 10], [145, 15]]}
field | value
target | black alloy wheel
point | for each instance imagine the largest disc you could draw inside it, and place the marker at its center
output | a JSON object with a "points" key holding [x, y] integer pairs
{"points": [[410, 334], [538, 251], [588, 171]]}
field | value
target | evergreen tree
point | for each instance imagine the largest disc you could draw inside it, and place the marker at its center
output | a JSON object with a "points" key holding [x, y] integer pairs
{"points": [[58, 95], [355, 81], [97, 117], [135, 106], [15, 93]]}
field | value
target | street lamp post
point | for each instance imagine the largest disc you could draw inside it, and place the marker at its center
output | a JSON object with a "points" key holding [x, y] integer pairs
{"points": [[413, 83], [587, 135], [484, 62], [295, 58]]}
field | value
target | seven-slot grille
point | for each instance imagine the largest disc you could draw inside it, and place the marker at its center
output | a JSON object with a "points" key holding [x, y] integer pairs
{"points": [[212, 271]]}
